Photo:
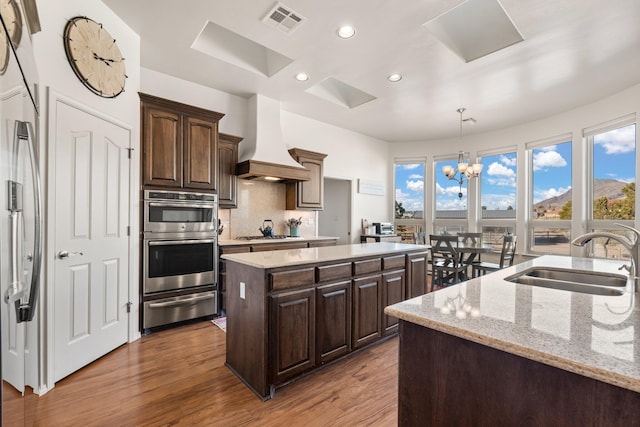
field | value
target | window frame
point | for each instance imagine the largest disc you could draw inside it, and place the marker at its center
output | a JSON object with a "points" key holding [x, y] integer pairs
{"points": [[533, 223]]}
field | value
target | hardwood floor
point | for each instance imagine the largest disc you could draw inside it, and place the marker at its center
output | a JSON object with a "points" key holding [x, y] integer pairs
{"points": [[177, 377]]}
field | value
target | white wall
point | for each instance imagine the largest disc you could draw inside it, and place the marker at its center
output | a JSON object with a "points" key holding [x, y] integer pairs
{"points": [[233, 107], [55, 71]]}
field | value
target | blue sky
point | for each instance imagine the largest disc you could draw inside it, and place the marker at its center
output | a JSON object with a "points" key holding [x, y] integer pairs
{"points": [[614, 152]]}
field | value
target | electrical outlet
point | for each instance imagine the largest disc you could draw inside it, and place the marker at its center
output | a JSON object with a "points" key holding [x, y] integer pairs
{"points": [[242, 286], [311, 221]]}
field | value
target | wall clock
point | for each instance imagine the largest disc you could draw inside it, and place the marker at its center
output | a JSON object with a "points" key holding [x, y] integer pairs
{"points": [[13, 23], [94, 56]]}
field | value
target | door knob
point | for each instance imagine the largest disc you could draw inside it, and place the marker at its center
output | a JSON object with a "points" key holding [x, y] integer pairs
{"points": [[67, 254]]}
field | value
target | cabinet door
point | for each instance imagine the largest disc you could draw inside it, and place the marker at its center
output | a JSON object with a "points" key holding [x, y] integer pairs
{"points": [[366, 310], [292, 341], [417, 274], [307, 194], [162, 148], [310, 193], [200, 151], [227, 180], [393, 291], [333, 321]]}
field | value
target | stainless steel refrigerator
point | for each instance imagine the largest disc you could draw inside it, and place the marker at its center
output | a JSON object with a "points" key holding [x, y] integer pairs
{"points": [[21, 231]]}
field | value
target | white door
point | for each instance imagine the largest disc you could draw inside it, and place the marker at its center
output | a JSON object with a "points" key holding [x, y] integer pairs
{"points": [[91, 210]]}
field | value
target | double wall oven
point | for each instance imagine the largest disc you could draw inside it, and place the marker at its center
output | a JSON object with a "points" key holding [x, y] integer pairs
{"points": [[179, 256]]}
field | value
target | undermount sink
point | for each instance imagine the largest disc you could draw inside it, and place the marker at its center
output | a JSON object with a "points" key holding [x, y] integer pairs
{"points": [[594, 283]]}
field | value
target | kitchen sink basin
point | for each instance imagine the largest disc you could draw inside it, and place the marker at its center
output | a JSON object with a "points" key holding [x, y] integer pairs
{"points": [[572, 280]]}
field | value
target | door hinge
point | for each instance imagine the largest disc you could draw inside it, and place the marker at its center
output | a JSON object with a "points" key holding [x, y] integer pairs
{"points": [[129, 304], [128, 230], [130, 150]]}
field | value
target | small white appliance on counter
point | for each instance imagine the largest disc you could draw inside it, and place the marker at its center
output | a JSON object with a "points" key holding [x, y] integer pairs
{"points": [[384, 228]]}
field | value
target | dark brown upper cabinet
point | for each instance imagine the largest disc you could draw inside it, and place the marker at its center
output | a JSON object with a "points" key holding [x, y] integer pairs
{"points": [[179, 145], [227, 179], [307, 195]]}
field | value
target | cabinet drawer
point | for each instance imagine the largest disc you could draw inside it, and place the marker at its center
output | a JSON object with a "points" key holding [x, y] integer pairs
{"points": [[332, 272], [278, 246], [367, 266], [323, 243], [234, 249], [292, 279], [393, 262]]}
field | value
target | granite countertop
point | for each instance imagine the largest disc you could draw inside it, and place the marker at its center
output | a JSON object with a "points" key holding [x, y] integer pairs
{"points": [[236, 242], [286, 258], [591, 335]]}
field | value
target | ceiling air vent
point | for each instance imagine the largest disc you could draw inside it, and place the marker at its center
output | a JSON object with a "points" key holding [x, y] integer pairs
{"points": [[283, 18]]}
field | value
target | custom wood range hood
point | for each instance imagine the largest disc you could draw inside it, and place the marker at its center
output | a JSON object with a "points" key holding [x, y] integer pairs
{"points": [[264, 155]]}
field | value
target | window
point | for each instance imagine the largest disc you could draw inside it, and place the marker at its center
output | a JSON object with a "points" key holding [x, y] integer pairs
{"points": [[450, 196], [551, 196], [409, 198], [614, 174], [498, 186], [612, 184]]}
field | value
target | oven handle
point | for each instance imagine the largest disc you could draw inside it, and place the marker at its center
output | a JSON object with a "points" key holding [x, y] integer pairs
{"points": [[179, 242], [182, 205], [181, 302]]}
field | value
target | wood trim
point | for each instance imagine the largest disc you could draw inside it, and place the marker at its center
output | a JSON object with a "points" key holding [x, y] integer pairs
{"points": [[230, 138], [252, 169], [179, 107]]}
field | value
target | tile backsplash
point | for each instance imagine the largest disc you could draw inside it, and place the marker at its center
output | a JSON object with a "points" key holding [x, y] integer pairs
{"points": [[259, 201]]}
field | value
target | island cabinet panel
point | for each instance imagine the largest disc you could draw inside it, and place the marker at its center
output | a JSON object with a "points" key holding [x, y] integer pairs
{"points": [[416, 274], [333, 321], [367, 266], [333, 272], [393, 291], [293, 328], [292, 278], [366, 310], [286, 320], [445, 379]]}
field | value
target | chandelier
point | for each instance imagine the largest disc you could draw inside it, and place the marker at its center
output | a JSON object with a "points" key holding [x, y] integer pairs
{"points": [[464, 169]]}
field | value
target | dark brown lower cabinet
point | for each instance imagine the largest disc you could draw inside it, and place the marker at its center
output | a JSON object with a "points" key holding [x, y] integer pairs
{"points": [[283, 322], [447, 380], [366, 310], [293, 319], [393, 286], [333, 321], [416, 274]]}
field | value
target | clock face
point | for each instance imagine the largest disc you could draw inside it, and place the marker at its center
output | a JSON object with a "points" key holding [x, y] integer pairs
{"points": [[13, 22], [95, 57]]}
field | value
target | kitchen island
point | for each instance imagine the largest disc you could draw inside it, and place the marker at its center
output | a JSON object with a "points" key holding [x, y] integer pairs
{"points": [[492, 352], [289, 312]]}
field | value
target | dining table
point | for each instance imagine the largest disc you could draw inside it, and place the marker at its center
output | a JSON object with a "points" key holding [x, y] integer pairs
{"points": [[469, 252]]}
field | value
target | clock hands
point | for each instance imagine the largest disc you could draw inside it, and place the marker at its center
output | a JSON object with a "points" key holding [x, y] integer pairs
{"points": [[105, 60]]}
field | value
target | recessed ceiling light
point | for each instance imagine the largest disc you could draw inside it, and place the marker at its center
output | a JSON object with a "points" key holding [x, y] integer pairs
{"points": [[302, 77], [346, 32], [395, 77]]}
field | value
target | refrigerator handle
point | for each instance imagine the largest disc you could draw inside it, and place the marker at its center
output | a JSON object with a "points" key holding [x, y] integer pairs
{"points": [[26, 306]]}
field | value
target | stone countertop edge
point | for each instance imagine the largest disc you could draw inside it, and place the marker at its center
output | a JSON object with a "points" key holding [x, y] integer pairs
{"points": [[419, 312], [235, 242], [293, 257]]}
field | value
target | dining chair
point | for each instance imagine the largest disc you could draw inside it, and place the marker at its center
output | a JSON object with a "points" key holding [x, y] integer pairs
{"points": [[468, 238], [507, 255], [446, 265]]}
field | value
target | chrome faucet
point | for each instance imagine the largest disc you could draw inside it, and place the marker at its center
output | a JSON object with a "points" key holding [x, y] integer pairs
{"points": [[630, 245]]}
